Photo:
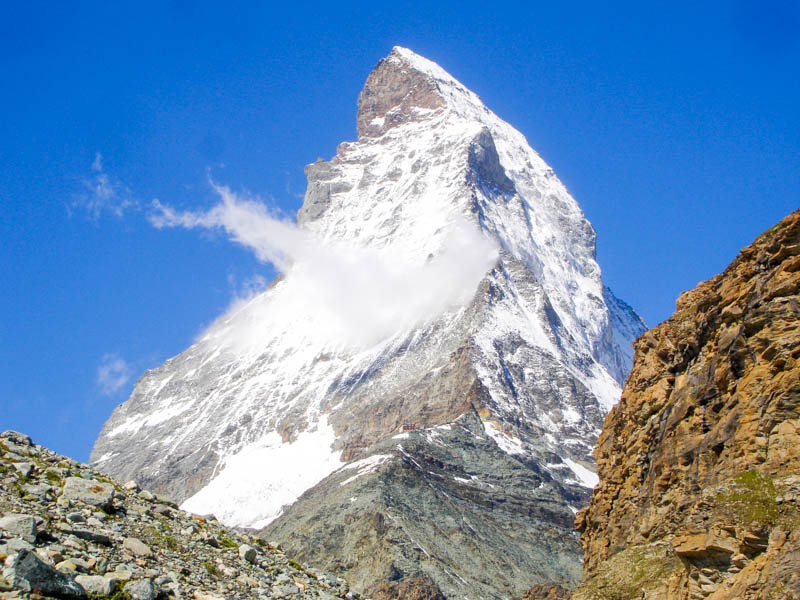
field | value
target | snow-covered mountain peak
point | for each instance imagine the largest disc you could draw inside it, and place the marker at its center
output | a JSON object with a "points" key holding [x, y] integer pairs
{"points": [[407, 87], [451, 252], [409, 58], [429, 151]]}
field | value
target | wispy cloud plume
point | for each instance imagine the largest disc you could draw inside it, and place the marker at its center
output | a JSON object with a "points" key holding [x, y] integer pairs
{"points": [[112, 374], [247, 222], [247, 288], [103, 194], [346, 292]]}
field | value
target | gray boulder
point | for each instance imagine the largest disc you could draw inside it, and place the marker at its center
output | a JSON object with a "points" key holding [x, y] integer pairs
{"points": [[96, 537], [141, 589], [23, 526], [30, 574], [96, 584], [89, 491], [24, 468], [16, 437], [14, 545], [76, 517], [132, 486], [137, 547], [248, 553]]}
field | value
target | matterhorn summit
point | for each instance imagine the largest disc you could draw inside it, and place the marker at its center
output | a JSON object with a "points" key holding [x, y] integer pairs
{"points": [[427, 432]]}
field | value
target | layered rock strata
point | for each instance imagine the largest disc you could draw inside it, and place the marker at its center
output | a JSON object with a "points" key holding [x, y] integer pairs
{"points": [[699, 463], [444, 507]]}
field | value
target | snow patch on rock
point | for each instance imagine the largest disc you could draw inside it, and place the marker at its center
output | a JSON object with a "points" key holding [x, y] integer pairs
{"points": [[257, 482]]}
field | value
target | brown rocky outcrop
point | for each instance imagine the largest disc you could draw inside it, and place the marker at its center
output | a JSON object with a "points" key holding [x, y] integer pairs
{"points": [[547, 591], [409, 589], [699, 463], [390, 96]]}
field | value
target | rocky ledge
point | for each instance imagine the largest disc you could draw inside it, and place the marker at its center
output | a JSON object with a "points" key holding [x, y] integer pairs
{"points": [[70, 532]]}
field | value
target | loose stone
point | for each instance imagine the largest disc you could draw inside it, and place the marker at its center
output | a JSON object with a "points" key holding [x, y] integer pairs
{"points": [[23, 526], [137, 547]]}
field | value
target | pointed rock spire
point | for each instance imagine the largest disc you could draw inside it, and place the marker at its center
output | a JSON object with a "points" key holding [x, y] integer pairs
{"points": [[393, 90]]}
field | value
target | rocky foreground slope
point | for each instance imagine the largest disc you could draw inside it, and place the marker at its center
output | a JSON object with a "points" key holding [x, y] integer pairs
{"points": [[699, 463], [67, 531]]}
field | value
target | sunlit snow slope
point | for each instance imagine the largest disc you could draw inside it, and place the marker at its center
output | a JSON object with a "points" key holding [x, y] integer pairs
{"points": [[272, 399]]}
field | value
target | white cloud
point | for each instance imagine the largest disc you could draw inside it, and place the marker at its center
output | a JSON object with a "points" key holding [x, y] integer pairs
{"points": [[355, 294], [103, 193], [112, 374], [247, 288], [97, 164], [247, 222]]}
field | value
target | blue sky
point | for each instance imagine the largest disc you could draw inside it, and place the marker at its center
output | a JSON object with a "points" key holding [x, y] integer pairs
{"points": [[675, 125]]}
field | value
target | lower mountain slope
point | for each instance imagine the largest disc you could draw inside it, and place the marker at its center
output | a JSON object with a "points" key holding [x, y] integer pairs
{"points": [[432, 513], [699, 463]]}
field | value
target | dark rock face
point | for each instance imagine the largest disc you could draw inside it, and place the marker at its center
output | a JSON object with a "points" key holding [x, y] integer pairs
{"points": [[323, 180], [485, 164], [699, 463], [435, 513], [32, 575]]}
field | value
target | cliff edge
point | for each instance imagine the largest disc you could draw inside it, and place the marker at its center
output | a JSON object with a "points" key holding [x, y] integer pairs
{"points": [[699, 463]]}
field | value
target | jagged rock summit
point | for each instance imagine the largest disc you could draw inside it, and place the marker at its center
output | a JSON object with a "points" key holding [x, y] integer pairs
{"points": [[699, 463], [519, 373]]}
